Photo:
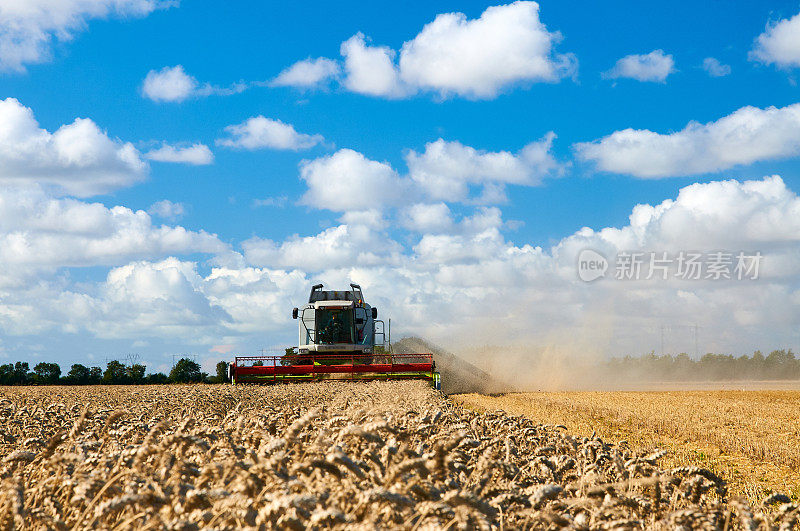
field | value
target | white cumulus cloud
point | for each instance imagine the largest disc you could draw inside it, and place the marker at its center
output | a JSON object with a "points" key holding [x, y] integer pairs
{"points": [[436, 223], [307, 73], [77, 159], [173, 84], [255, 298], [347, 180], [164, 297], [715, 68], [779, 44], [29, 27], [722, 215], [169, 84], [654, 66], [167, 209], [748, 135], [195, 154], [477, 58], [259, 132], [41, 231], [371, 218], [445, 170], [370, 69], [427, 218], [339, 246]]}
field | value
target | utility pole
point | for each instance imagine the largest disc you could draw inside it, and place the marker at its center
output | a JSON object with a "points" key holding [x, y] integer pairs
{"points": [[689, 328]]}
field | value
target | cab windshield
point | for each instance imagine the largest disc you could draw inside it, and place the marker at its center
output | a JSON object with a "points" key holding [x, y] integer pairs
{"points": [[335, 326]]}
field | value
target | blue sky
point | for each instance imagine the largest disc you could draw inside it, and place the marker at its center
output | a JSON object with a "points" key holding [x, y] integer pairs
{"points": [[488, 97]]}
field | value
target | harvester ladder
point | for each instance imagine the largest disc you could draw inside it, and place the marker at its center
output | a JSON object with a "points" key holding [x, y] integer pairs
{"points": [[385, 335]]}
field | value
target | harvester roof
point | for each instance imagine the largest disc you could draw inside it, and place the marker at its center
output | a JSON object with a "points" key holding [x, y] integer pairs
{"points": [[320, 295], [333, 304]]}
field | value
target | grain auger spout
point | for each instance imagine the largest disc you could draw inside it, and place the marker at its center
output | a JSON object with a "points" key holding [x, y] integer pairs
{"points": [[341, 338]]}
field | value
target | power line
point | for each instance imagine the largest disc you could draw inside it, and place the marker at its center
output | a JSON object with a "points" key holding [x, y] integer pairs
{"points": [[693, 328]]}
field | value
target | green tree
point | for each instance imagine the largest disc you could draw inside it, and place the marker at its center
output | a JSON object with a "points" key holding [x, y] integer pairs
{"points": [[780, 357], [135, 373], [78, 375], [20, 373], [185, 371], [156, 378], [222, 371], [779, 364], [116, 373], [7, 374], [95, 375]]}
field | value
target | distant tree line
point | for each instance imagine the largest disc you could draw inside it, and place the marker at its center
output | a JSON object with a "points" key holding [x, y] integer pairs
{"points": [[777, 365], [116, 373]]}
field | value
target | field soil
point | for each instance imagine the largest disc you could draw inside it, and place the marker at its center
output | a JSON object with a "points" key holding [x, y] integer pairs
{"points": [[338, 454], [751, 438]]}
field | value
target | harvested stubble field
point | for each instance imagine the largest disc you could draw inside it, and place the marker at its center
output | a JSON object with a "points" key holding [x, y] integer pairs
{"points": [[382, 454], [751, 438]]}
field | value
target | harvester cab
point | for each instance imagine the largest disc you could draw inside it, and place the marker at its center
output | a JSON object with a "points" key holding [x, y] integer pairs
{"points": [[338, 322], [340, 338]]}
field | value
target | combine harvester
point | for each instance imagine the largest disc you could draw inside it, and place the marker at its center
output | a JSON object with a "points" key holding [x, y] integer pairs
{"points": [[338, 341]]}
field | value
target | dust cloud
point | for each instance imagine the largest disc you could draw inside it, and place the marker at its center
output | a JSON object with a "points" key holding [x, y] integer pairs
{"points": [[576, 358], [561, 359], [566, 358]]}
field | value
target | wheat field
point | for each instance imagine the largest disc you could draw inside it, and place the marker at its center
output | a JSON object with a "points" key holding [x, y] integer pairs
{"points": [[751, 438], [332, 455]]}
